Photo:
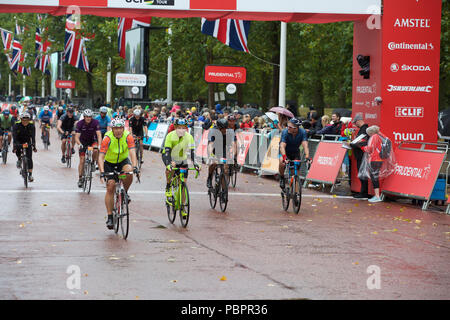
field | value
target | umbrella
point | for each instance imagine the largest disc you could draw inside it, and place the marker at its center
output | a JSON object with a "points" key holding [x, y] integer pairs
{"points": [[343, 112], [175, 108], [252, 112], [444, 123], [282, 110], [272, 116]]}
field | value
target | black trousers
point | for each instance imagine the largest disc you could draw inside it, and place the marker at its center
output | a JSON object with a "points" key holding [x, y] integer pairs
{"points": [[364, 183]]}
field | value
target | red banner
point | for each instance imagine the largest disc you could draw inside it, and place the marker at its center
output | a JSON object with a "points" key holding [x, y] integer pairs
{"points": [[225, 74], [327, 162], [244, 139], [84, 3], [64, 84], [410, 69], [213, 4], [202, 147], [415, 173]]}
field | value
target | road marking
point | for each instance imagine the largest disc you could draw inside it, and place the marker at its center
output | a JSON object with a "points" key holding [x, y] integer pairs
{"points": [[244, 194]]}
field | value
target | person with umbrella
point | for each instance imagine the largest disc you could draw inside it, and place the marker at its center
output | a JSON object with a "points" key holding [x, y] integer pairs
{"points": [[283, 115]]}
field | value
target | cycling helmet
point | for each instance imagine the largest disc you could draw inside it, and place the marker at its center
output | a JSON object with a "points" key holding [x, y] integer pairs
{"points": [[70, 110], [26, 99], [60, 108], [25, 115], [117, 123], [295, 122], [137, 112], [231, 118], [13, 107], [87, 113], [222, 123], [103, 109], [180, 122], [6, 112], [46, 108]]}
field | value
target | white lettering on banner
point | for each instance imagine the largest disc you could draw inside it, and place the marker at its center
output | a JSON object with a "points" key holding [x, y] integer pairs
{"points": [[367, 89], [327, 161], [412, 23], [237, 75], [401, 136], [418, 173], [371, 116], [395, 68], [410, 46], [392, 88], [409, 112]]}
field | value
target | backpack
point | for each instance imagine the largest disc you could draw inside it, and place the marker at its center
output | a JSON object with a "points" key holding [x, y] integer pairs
{"points": [[386, 148]]}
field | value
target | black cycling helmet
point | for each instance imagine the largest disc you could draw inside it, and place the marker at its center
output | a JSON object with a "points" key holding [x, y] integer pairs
{"points": [[295, 122], [180, 122], [222, 123], [231, 118]]}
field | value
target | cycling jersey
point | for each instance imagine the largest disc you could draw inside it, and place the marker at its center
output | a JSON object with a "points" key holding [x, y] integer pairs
{"points": [[6, 123], [45, 117], [68, 123], [116, 150], [24, 134], [103, 122], [175, 148], [293, 143], [88, 131], [137, 125]]}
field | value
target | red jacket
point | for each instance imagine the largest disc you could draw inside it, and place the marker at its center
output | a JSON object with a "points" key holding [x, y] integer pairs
{"points": [[373, 148], [247, 125]]}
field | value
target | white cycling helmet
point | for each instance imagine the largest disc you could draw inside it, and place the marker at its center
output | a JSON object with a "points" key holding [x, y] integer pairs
{"points": [[25, 115], [87, 113], [137, 112], [117, 123], [46, 108], [103, 109]]}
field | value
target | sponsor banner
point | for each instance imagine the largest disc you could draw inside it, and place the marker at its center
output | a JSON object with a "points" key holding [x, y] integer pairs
{"points": [[327, 162], [244, 139], [159, 135], [225, 74], [271, 161], [410, 74], [131, 80], [65, 84], [201, 147], [151, 132], [415, 174], [149, 4]]}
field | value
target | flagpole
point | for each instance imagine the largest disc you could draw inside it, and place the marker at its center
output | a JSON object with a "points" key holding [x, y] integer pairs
{"points": [[169, 75], [282, 80], [9, 84], [108, 80]]}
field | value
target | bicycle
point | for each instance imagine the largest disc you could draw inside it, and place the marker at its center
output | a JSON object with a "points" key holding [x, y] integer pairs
{"points": [[5, 147], [68, 154], [121, 214], [46, 136], [24, 164], [220, 188], [138, 142], [232, 174], [89, 167], [293, 186], [179, 199]]}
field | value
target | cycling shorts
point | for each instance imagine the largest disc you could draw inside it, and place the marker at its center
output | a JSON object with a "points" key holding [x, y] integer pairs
{"points": [[83, 148], [111, 167]]}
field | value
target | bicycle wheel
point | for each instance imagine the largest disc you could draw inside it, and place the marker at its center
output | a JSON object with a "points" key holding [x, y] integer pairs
{"points": [[88, 177], [124, 215], [45, 139], [184, 205], [116, 210], [296, 194], [25, 170], [213, 192], [285, 196], [223, 193], [5, 152], [233, 177], [171, 212], [138, 154], [68, 155]]}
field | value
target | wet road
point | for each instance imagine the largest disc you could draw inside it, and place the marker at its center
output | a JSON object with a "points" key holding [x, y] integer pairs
{"points": [[336, 248]]}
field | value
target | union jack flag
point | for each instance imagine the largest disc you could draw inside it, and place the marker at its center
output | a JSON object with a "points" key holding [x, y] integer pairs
{"points": [[18, 57], [42, 48], [127, 24], [232, 32], [74, 47]]}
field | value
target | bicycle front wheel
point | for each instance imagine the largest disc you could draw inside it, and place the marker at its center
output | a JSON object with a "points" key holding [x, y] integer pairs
{"points": [[213, 192], [170, 204], [69, 155], [124, 215], [296, 194], [223, 193], [116, 211], [233, 177], [25, 170], [5, 153], [285, 197], [185, 205]]}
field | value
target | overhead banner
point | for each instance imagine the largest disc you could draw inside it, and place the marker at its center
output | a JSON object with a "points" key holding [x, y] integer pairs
{"points": [[410, 70], [225, 74], [415, 174], [327, 162]]}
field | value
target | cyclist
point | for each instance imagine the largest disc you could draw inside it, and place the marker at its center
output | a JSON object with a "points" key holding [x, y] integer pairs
{"points": [[6, 124], [87, 135], [175, 154], [66, 126], [59, 112], [115, 148], [45, 118], [104, 120], [14, 112], [291, 139], [227, 146], [24, 131], [138, 126]]}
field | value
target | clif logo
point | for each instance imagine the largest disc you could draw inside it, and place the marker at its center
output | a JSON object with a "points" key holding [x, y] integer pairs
{"points": [[409, 112]]}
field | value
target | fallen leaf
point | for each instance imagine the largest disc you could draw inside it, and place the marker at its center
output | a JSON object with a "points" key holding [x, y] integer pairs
{"points": [[435, 224], [418, 221], [137, 297], [114, 258], [86, 292], [335, 207], [44, 204], [355, 263], [21, 225], [223, 278], [19, 261], [375, 232], [173, 241], [309, 220], [271, 285], [173, 281], [334, 196], [349, 211]]}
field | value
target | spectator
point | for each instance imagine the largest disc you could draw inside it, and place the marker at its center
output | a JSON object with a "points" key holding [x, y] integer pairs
{"points": [[357, 146], [337, 123], [246, 122], [327, 127], [219, 109], [374, 161]]}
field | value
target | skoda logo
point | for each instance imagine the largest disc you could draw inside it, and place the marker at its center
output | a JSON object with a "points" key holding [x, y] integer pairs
{"points": [[394, 67]]}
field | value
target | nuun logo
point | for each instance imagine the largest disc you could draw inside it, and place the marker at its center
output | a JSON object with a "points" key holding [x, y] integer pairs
{"points": [[402, 136]]}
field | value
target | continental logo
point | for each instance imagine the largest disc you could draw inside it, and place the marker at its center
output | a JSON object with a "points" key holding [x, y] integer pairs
{"points": [[153, 2]]}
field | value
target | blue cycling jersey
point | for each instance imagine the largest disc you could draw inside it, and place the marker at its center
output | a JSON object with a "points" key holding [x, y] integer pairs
{"points": [[45, 116], [293, 142], [103, 122]]}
